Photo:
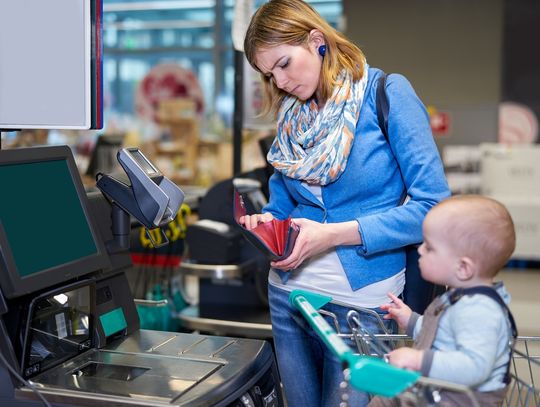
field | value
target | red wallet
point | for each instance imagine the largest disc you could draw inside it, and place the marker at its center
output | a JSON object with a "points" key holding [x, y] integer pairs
{"points": [[275, 238]]}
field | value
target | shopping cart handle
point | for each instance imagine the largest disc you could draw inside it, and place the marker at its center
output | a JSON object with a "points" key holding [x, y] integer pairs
{"points": [[367, 373], [373, 375], [316, 300]]}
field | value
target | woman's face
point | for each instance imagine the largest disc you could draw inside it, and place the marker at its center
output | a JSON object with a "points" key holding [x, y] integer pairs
{"points": [[293, 68]]}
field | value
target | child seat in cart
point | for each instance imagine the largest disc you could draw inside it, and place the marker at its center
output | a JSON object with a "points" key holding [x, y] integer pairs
{"points": [[367, 370]]}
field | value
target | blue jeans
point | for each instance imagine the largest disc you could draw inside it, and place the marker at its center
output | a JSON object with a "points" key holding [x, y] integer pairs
{"points": [[310, 372]]}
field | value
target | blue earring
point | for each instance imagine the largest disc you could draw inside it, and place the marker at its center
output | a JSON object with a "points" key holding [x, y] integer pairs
{"points": [[322, 50]]}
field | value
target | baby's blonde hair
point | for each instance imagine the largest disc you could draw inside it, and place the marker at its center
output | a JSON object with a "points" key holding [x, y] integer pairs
{"points": [[290, 22], [480, 228]]}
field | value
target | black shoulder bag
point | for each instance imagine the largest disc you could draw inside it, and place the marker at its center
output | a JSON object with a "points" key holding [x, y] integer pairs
{"points": [[418, 293]]}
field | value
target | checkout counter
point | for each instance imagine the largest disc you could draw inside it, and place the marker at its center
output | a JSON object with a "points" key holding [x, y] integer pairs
{"points": [[69, 330], [228, 304]]}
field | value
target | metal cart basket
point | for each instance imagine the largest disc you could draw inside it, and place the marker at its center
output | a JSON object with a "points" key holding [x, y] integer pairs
{"points": [[367, 370]]}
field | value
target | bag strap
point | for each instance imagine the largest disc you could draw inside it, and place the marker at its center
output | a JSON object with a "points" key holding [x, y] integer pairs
{"points": [[383, 110], [459, 293], [383, 106]]}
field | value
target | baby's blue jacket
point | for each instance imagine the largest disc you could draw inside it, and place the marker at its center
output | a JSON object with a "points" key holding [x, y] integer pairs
{"points": [[372, 186], [471, 346]]}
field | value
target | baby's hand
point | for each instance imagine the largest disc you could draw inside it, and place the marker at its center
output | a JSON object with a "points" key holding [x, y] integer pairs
{"points": [[398, 311], [406, 358]]}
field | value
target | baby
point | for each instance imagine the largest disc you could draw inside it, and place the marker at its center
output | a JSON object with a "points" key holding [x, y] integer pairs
{"points": [[465, 334]]}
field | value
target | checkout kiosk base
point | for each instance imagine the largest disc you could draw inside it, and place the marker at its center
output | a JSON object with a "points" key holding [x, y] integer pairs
{"points": [[153, 368], [69, 330]]}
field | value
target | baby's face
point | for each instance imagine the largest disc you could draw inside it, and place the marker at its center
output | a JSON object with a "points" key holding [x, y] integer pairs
{"points": [[438, 260]]}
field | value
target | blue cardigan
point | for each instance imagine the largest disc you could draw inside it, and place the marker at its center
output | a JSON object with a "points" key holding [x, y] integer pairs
{"points": [[372, 186]]}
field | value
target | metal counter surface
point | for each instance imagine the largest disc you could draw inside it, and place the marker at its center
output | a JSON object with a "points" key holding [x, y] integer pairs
{"points": [[245, 323], [157, 368]]}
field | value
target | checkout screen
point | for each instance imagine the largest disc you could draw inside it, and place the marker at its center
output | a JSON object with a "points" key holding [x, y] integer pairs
{"points": [[42, 216]]}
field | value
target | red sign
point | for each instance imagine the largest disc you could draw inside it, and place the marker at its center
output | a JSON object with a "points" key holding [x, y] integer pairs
{"points": [[440, 123]]}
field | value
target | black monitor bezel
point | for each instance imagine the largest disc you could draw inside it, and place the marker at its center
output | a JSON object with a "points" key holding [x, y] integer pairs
{"points": [[12, 284]]}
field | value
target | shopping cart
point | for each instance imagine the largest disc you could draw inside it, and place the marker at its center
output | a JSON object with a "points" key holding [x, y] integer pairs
{"points": [[524, 389], [367, 369]]}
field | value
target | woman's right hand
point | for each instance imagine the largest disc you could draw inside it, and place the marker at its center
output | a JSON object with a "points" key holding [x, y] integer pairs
{"points": [[252, 221]]}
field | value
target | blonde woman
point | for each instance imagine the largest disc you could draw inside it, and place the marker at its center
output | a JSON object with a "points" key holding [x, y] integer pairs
{"points": [[340, 180]]}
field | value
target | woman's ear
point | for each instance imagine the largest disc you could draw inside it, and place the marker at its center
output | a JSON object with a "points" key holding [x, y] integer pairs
{"points": [[316, 38], [466, 269]]}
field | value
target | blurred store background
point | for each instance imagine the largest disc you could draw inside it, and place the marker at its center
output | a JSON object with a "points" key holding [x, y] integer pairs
{"points": [[169, 88]]}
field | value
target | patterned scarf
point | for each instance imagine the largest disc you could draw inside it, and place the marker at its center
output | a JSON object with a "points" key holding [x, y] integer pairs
{"points": [[314, 146]]}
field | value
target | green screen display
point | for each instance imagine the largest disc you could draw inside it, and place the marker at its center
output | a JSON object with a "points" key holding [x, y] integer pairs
{"points": [[42, 216]]}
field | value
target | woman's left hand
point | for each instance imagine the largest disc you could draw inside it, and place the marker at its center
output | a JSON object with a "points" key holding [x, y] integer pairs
{"points": [[312, 239]]}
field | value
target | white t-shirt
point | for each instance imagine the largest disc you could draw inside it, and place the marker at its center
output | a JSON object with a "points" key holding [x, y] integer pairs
{"points": [[324, 274]]}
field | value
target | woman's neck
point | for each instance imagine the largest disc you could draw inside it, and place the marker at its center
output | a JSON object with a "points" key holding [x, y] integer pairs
{"points": [[318, 97]]}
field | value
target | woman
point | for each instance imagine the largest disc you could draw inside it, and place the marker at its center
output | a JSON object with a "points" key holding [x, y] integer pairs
{"points": [[341, 182]]}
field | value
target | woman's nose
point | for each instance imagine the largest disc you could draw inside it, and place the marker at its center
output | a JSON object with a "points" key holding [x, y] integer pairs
{"points": [[280, 80]]}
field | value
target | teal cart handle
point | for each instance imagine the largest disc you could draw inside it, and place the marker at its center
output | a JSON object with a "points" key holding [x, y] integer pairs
{"points": [[368, 373]]}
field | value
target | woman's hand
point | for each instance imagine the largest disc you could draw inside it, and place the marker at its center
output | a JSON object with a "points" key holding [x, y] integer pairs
{"points": [[312, 239], [252, 221], [398, 311], [316, 238]]}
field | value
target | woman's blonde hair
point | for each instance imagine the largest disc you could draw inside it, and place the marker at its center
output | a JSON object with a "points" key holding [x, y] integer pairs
{"points": [[291, 22]]}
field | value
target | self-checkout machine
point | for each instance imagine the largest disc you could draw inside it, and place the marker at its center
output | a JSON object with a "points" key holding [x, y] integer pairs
{"points": [[69, 330]]}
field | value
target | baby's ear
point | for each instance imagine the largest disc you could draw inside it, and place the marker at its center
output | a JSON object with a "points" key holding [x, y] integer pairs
{"points": [[466, 269]]}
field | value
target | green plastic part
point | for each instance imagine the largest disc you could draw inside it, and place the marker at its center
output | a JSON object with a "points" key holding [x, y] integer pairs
{"points": [[368, 373], [113, 321], [316, 300], [375, 376]]}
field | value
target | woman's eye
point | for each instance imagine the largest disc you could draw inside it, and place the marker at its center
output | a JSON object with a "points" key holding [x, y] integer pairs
{"points": [[284, 65]]}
